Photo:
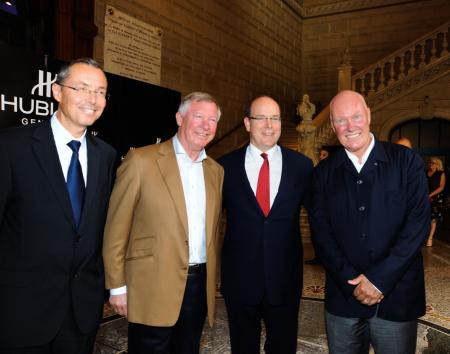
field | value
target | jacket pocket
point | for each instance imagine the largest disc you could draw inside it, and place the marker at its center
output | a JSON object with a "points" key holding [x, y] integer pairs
{"points": [[141, 247]]}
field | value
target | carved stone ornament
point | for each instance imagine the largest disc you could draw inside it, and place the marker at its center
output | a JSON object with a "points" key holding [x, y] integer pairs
{"points": [[346, 58], [426, 108]]}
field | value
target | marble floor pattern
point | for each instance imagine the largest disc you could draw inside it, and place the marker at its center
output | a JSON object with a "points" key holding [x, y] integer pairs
{"points": [[433, 333]]}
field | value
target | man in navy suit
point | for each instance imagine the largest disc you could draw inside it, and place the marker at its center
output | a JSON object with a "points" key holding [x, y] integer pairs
{"points": [[369, 219], [51, 269], [262, 251]]}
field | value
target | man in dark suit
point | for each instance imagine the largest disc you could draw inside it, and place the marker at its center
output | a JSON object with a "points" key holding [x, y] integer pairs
{"points": [[264, 188], [55, 183], [370, 217]]}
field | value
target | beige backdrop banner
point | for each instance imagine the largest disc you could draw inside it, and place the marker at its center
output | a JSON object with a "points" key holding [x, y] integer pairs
{"points": [[132, 47]]}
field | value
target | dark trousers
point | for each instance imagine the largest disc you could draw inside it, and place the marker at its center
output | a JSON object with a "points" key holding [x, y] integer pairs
{"points": [[69, 340], [280, 321], [354, 335], [184, 336]]}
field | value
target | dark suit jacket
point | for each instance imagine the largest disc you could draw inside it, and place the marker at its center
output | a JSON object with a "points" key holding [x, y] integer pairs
{"points": [[374, 223], [263, 256], [45, 262]]}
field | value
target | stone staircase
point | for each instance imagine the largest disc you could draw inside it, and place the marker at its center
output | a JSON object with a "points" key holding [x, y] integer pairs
{"points": [[397, 75], [405, 70]]}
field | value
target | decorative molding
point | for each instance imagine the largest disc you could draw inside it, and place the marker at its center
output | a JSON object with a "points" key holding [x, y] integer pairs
{"points": [[306, 12], [404, 116], [411, 83]]}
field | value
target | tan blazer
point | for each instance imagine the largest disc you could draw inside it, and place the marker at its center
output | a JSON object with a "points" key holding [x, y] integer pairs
{"points": [[146, 234]]}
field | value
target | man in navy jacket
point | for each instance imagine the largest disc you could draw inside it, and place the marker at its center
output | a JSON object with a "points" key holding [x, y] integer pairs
{"points": [[370, 217], [262, 251]]}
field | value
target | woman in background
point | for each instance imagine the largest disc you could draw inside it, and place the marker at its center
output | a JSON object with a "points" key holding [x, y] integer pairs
{"points": [[436, 185]]}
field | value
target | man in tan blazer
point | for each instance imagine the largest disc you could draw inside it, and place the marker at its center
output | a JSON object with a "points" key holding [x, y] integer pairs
{"points": [[161, 237]]}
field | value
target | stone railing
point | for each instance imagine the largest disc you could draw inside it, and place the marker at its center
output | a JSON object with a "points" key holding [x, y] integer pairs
{"points": [[404, 62], [324, 133]]}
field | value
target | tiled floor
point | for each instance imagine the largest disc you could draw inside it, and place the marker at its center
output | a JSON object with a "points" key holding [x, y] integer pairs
{"points": [[434, 329]]}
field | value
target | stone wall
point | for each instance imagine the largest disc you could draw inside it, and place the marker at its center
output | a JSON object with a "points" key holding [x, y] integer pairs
{"points": [[232, 49], [370, 35]]}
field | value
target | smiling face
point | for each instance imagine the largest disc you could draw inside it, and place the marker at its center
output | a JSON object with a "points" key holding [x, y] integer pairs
{"points": [[350, 120], [264, 133], [197, 126], [78, 110], [433, 166]]}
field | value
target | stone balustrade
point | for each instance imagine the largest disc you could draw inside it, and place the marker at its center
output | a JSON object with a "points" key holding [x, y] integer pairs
{"points": [[403, 62]]}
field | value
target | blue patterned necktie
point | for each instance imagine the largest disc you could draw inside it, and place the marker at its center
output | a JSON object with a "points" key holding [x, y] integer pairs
{"points": [[75, 182]]}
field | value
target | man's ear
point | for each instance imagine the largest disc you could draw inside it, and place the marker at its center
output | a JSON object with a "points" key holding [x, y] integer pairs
{"points": [[179, 119], [247, 123], [56, 91]]}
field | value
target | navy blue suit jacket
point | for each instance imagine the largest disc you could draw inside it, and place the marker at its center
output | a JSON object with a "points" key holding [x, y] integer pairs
{"points": [[373, 222], [263, 255], [46, 263]]}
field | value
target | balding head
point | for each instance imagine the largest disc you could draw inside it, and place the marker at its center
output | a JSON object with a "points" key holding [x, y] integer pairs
{"points": [[350, 120], [405, 142]]}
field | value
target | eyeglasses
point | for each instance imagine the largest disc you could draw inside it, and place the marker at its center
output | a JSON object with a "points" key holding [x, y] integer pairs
{"points": [[85, 91], [274, 119]]}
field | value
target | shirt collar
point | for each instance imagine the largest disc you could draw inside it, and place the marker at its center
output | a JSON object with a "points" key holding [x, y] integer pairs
{"points": [[256, 153], [62, 135], [179, 150]]}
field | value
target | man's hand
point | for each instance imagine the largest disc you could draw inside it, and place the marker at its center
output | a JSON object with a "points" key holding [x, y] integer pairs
{"points": [[365, 292], [119, 303]]}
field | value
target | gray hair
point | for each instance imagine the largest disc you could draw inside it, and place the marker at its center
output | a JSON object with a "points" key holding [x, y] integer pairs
{"points": [[197, 97], [64, 71]]}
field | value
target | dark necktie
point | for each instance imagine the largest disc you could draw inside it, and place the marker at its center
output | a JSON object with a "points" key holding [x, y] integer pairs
{"points": [[75, 181], [263, 187]]}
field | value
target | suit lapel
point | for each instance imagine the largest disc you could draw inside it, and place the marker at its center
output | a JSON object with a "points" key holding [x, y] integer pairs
{"points": [[211, 199], [44, 148], [168, 166], [245, 183], [283, 188], [93, 161]]}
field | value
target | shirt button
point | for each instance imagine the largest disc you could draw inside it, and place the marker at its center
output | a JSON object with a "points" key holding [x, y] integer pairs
{"points": [[359, 181], [363, 235], [375, 163], [362, 208]]}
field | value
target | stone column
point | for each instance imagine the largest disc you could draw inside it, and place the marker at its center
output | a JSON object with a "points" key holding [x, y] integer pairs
{"points": [[345, 72]]}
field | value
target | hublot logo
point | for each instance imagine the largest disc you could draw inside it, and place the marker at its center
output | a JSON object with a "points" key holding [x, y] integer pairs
{"points": [[41, 107]]}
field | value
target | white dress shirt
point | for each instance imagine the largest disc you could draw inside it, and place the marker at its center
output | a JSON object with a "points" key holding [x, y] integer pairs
{"points": [[253, 163], [191, 173], [355, 160], [62, 137], [193, 181]]}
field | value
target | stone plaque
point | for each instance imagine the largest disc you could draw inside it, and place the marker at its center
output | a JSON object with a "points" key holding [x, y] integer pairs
{"points": [[132, 47]]}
